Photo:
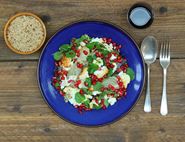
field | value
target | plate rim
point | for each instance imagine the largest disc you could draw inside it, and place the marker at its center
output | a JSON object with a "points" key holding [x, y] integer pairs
{"points": [[81, 21]]}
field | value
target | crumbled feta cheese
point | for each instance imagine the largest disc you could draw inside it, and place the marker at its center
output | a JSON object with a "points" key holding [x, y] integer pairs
{"points": [[100, 40], [115, 67], [101, 72], [113, 57], [84, 74], [70, 92], [109, 47], [96, 92], [98, 61], [125, 78], [82, 44], [64, 83], [72, 77], [112, 101], [88, 96]]}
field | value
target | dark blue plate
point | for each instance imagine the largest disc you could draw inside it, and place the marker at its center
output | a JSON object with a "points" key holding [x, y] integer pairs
{"points": [[95, 117]]}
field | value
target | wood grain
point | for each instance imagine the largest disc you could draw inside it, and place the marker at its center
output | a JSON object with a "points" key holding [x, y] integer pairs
{"points": [[169, 19], [24, 116]]}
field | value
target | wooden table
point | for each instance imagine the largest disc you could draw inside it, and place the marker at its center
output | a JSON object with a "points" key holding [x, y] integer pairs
{"points": [[24, 116]]}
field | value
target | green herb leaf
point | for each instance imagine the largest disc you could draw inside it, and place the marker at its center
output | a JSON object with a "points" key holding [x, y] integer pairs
{"points": [[85, 37], [57, 84], [90, 58], [103, 51], [108, 92], [85, 90], [79, 98], [57, 55], [65, 47], [77, 41], [92, 68], [91, 45], [70, 54], [96, 106], [97, 86], [106, 102], [110, 72], [131, 73], [86, 103], [88, 80], [94, 57], [101, 96]]}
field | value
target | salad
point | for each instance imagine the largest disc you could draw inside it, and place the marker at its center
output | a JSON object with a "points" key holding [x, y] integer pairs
{"points": [[90, 73]]}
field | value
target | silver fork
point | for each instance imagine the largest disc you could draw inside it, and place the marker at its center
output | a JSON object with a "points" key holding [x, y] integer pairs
{"points": [[164, 61]]}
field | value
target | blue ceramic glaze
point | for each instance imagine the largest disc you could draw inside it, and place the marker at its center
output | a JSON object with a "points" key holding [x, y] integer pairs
{"points": [[95, 117]]}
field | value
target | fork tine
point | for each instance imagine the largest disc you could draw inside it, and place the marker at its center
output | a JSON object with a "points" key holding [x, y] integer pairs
{"points": [[168, 50], [161, 50], [164, 49]]}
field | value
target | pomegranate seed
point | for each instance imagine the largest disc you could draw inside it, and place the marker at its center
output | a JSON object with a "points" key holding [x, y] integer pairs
{"points": [[101, 56], [81, 92], [97, 54], [111, 66], [126, 65], [109, 40], [85, 52], [108, 64], [111, 87], [73, 48], [79, 65], [100, 79], [117, 91], [85, 41], [78, 54], [122, 67], [115, 54], [85, 83], [104, 39], [56, 64], [77, 83], [58, 88], [56, 73], [119, 78], [103, 89], [54, 80], [94, 77], [119, 70], [75, 60], [93, 82], [120, 84], [69, 81], [119, 60], [104, 107], [109, 55], [112, 95], [63, 72], [96, 100], [119, 46], [62, 93], [107, 60], [62, 78], [114, 44]]}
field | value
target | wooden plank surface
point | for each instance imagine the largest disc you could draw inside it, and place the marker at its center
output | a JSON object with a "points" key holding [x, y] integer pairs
{"points": [[24, 116], [169, 19]]}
